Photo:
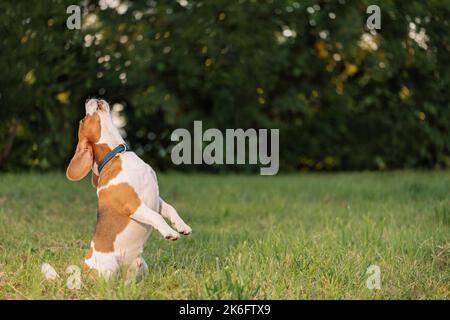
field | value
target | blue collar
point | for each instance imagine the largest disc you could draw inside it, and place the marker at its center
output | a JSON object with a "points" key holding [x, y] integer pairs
{"points": [[119, 149]]}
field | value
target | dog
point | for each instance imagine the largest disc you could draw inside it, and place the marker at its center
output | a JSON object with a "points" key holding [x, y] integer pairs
{"points": [[129, 205]]}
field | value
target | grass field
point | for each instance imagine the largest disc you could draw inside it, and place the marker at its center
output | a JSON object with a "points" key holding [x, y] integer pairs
{"points": [[308, 236]]}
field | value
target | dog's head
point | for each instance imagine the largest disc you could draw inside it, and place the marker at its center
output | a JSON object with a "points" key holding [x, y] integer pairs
{"points": [[96, 130]]}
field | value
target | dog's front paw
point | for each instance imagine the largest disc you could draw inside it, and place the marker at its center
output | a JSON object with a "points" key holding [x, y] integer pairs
{"points": [[171, 235], [183, 228]]}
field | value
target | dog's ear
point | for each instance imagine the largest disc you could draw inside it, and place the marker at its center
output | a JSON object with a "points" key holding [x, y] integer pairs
{"points": [[81, 162]]}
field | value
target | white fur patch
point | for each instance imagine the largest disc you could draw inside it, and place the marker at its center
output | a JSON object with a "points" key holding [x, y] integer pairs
{"points": [[105, 263]]}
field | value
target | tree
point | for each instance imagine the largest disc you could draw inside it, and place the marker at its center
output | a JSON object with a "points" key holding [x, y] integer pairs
{"points": [[342, 96]]}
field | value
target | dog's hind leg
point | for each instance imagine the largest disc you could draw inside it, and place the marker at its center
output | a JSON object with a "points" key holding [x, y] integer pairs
{"points": [[169, 212], [137, 270], [150, 217]]}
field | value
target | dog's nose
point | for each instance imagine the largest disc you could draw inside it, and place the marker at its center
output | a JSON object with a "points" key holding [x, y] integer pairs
{"points": [[103, 105]]}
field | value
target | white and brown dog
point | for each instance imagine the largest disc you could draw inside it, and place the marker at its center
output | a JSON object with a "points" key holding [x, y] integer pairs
{"points": [[129, 205]]}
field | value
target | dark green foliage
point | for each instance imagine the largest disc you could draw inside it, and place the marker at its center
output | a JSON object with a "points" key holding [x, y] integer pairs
{"points": [[341, 102]]}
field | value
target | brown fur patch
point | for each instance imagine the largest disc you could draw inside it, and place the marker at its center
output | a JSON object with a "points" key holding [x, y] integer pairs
{"points": [[90, 273], [88, 254], [100, 151], [113, 167], [90, 128], [115, 206]]}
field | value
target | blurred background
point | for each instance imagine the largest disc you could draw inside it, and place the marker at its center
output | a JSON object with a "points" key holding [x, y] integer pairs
{"points": [[343, 97]]}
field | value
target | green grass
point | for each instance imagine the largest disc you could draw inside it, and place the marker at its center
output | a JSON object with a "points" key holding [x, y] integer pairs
{"points": [[308, 236]]}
